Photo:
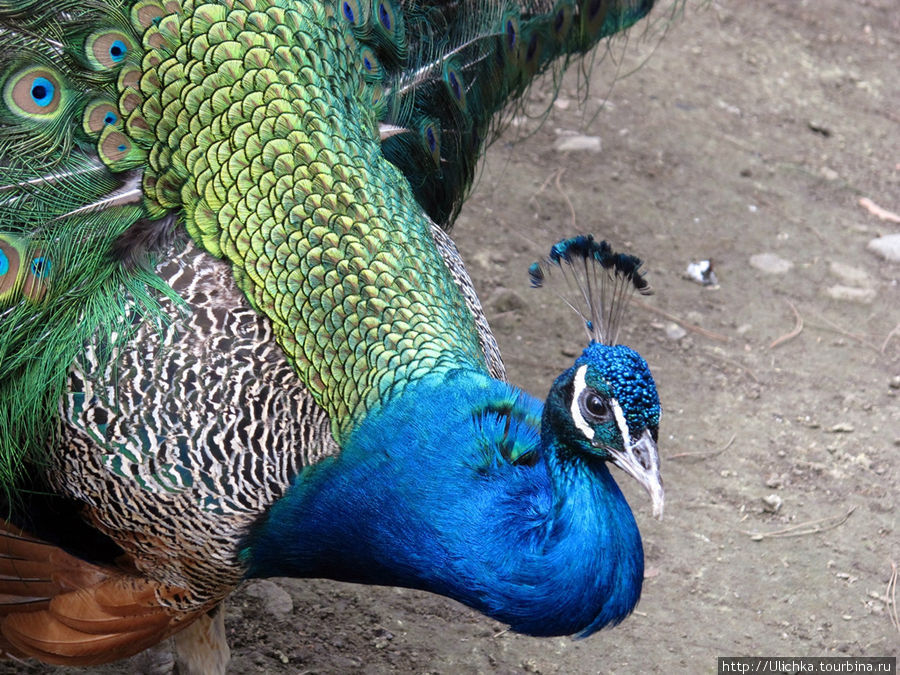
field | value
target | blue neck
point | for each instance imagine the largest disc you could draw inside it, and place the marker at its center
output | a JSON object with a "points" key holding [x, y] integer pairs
{"points": [[424, 495]]}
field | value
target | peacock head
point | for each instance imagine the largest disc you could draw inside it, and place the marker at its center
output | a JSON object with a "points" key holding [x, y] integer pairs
{"points": [[605, 407]]}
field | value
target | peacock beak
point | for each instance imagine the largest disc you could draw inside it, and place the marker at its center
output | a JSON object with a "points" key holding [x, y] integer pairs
{"points": [[640, 460]]}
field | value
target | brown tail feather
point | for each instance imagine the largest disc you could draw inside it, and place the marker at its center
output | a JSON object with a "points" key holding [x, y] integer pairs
{"points": [[42, 636], [63, 610], [33, 568], [83, 611]]}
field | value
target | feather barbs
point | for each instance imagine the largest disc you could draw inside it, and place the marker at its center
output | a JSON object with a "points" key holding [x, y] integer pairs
{"points": [[562, 18], [455, 83], [98, 115], [37, 92], [24, 270], [355, 13], [598, 279], [147, 13], [389, 34], [107, 49], [118, 151], [592, 15], [431, 139]]}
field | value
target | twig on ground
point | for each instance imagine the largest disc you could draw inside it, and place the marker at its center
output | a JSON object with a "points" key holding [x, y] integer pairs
{"points": [[534, 195], [684, 324], [545, 184], [802, 529], [559, 176], [891, 594], [860, 338], [878, 211], [894, 332], [13, 657], [798, 328], [808, 226], [704, 454]]}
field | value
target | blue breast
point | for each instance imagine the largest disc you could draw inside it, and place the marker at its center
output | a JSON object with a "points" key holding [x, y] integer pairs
{"points": [[448, 489]]}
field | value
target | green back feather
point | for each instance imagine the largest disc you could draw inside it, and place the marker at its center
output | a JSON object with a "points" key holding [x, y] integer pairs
{"points": [[257, 123], [63, 210], [467, 62]]}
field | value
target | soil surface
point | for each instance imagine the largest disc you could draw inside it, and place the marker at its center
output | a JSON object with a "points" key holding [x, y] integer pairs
{"points": [[748, 129]]}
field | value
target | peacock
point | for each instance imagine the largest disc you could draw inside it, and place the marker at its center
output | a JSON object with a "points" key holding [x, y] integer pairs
{"points": [[237, 340]]}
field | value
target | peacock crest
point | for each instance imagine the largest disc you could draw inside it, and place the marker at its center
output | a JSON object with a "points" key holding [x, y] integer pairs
{"points": [[599, 283]]}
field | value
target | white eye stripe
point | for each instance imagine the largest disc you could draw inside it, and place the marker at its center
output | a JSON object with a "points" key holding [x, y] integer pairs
{"points": [[621, 423], [579, 386]]}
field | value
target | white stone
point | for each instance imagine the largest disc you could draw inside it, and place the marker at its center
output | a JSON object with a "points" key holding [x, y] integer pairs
{"points": [[578, 143], [771, 263], [674, 331], [888, 247], [851, 294], [772, 503], [849, 274]]}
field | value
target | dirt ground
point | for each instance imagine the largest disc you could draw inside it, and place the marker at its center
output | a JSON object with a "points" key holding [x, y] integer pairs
{"points": [[750, 128]]}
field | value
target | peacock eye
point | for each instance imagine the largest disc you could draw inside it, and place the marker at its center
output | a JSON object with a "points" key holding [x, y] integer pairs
{"points": [[594, 407]]}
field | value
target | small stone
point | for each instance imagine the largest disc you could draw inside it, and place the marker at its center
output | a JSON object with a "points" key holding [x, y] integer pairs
{"points": [[848, 274], [383, 633], [772, 503], [771, 263], [863, 296], [274, 598], [841, 428], [888, 247], [774, 481], [895, 382], [818, 127], [578, 143], [530, 666], [829, 174], [674, 331]]}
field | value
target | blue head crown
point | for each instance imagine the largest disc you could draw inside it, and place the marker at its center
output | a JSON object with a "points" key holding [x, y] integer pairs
{"points": [[603, 280], [627, 377]]}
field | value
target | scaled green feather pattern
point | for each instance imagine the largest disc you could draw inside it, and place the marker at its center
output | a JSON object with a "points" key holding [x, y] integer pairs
{"points": [[258, 125], [278, 166]]}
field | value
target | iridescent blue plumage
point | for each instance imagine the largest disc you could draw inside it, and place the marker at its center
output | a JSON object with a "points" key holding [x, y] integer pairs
{"points": [[468, 487], [425, 495]]}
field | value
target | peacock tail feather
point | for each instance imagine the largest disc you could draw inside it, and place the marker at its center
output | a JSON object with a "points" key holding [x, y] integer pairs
{"points": [[312, 145]]}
